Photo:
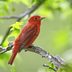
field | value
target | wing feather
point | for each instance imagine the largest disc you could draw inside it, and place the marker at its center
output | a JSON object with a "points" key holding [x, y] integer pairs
{"points": [[27, 36]]}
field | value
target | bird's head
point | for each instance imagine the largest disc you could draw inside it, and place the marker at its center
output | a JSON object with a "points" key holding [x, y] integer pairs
{"points": [[36, 19]]}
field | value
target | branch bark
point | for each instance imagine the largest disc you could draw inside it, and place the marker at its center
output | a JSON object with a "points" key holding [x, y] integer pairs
{"points": [[57, 61]]}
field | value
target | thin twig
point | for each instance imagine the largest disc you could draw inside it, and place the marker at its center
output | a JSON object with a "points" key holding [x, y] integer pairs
{"points": [[27, 12], [6, 35], [9, 17], [4, 50], [45, 65]]}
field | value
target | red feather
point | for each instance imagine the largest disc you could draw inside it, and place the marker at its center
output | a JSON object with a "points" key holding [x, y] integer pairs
{"points": [[27, 36]]}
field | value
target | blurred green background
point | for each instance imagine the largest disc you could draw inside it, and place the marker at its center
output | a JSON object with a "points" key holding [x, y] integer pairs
{"points": [[55, 36]]}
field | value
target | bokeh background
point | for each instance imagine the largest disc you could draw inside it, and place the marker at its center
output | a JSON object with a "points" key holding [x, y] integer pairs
{"points": [[55, 36]]}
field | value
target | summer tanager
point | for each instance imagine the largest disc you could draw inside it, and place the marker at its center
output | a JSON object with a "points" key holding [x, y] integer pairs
{"points": [[27, 36]]}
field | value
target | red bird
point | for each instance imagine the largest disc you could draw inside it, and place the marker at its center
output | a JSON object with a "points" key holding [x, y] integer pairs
{"points": [[27, 36]]}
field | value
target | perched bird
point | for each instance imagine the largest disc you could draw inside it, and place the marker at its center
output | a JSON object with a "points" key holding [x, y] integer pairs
{"points": [[27, 36]]}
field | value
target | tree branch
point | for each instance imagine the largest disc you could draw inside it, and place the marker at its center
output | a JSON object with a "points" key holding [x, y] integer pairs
{"points": [[9, 17], [27, 12], [57, 61]]}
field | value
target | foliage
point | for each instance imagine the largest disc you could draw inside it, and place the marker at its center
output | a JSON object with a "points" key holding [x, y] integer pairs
{"points": [[59, 35]]}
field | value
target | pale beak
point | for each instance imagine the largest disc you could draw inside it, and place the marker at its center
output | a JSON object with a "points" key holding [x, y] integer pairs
{"points": [[42, 18]]}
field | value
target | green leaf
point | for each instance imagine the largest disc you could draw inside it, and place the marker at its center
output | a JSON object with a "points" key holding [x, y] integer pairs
{"points": [[5, 44], [15, 30], [16, 25]]}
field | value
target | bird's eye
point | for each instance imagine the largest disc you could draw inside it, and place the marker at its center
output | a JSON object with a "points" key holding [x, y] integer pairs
{"points": [[35, 18]]}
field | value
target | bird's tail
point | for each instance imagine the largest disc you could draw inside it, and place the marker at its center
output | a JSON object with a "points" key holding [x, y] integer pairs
{"points": [[12, 58]]}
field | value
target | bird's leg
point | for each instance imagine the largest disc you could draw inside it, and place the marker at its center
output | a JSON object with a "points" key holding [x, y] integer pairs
{"points": [[22, 47], [28, 47]]}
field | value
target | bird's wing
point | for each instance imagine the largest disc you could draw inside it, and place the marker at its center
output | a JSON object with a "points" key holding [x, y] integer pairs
{"points": [[27, 35]]}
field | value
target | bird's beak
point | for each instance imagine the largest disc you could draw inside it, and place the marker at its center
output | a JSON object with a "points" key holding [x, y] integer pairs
{"points": [[42, 18]]}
